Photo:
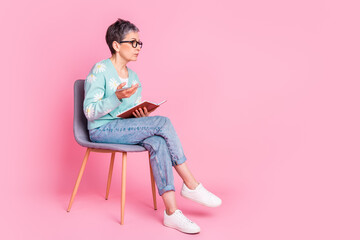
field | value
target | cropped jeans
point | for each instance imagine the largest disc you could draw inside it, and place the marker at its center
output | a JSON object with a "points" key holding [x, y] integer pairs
{"points": [[156, 134]]}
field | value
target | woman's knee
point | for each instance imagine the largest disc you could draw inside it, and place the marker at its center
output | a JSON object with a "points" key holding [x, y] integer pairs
{"points": [[155, 141]]}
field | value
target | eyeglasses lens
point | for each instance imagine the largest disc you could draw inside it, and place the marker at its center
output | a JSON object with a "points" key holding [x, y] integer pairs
{"points": [[135, 43]]}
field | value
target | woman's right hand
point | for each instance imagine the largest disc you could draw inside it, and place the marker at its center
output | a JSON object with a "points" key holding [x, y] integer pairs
{"points": [[126, 93]]}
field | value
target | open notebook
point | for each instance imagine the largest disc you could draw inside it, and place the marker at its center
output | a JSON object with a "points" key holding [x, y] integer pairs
{"points": [[149, 106]]}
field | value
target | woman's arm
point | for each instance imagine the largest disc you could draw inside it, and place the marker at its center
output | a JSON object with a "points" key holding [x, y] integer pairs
{"points": [[95, 106]]}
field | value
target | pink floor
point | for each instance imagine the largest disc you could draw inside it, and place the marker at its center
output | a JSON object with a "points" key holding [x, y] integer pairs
{"points": [[269, 202]]}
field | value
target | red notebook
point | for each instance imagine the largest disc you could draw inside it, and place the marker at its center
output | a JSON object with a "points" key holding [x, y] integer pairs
{"points": [[149, 106]]}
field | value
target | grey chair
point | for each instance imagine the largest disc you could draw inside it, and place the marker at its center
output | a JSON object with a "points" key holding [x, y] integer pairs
{"points": [[82, 137]]}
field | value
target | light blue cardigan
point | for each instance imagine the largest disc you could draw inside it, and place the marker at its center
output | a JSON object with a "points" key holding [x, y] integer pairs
{"points": [[101, 104]]}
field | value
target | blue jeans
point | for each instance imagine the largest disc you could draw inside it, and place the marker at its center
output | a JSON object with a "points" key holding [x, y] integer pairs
{"points": [[156, 134]]}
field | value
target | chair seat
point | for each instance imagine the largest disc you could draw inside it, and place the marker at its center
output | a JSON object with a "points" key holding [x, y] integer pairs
{"points": [[112, 146]]}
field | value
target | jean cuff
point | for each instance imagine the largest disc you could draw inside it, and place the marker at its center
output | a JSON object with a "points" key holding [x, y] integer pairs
{"points": [[179, 161], [165, 189]]}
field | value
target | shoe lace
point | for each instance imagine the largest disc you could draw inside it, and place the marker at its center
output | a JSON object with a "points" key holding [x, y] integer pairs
{"points": [[184, 218], [210, 194]]}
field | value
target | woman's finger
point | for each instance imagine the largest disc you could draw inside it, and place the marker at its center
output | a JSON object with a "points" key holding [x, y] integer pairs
{"points": [[142, 112], [146, 111], [128, 93], [134, 114], [137, 113], [120, 86]]}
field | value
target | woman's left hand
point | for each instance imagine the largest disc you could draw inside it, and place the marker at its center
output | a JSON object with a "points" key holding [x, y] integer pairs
{"points": [[142, 113]]}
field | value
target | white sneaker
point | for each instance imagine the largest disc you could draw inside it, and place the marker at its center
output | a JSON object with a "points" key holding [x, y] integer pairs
{"points": [[201, 195], [178, 221]]}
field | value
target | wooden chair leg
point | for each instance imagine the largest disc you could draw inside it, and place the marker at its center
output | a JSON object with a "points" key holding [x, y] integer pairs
{"points": [[123, 185], [110, 175], [79, 178], [152, 185]]}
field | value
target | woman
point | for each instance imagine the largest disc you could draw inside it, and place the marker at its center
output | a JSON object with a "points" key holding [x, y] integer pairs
{"points": [[103, 103]]}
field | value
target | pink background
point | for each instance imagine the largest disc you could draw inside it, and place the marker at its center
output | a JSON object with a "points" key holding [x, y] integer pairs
{"points": [[264, 97]]}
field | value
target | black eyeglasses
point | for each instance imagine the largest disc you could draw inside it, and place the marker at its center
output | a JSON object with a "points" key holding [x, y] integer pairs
{"points": [[134, 43]]}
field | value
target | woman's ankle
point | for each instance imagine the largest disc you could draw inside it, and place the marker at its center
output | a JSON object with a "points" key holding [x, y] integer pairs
{"points": [[170, 211], [192, 185]]}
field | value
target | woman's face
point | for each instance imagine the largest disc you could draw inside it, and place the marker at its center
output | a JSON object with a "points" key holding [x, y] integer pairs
{"points": [[126, 50]]}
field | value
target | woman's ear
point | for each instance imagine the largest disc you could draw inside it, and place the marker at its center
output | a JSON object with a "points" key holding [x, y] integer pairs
{"points": [[116, 46]]}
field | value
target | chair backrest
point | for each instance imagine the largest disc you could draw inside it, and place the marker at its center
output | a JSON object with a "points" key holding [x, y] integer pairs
{"points": [[81, 132]]}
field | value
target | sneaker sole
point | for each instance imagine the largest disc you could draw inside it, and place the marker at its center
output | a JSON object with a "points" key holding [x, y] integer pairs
{"points": [[183, 231]]}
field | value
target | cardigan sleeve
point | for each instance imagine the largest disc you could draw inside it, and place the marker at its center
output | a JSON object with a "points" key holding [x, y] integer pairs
{"points": [[95, 106]]}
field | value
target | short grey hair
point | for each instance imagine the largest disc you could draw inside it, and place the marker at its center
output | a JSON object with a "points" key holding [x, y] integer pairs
{"points": [[117, 32]]}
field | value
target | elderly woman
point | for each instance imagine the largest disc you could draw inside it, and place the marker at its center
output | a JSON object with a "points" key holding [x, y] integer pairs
{"points": [[102, 104]]}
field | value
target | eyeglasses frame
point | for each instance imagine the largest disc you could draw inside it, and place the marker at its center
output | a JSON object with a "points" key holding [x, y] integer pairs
{"points": [[132, 43]]}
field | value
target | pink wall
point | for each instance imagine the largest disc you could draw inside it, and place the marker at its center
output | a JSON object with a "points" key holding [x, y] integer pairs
{"points": [[264, 96]]}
